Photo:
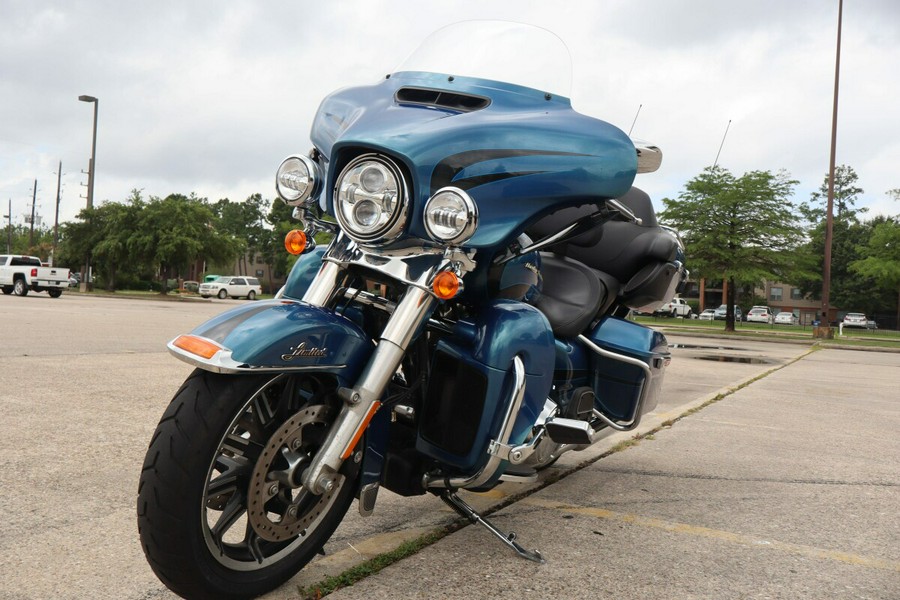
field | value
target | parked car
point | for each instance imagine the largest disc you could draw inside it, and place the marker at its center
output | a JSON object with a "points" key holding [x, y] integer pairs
{"points": [[855, 320], [785, 318], [678, 307], [707, 315], [723, 310], [21, 274], [760, 314], [232, 286]]}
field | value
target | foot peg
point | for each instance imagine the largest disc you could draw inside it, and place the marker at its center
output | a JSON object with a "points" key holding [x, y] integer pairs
{"points": [[464, 510], [569, 431]]}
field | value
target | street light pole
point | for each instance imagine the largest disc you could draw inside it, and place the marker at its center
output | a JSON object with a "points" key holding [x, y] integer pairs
{"points": [[85, 281], [829, 218]]}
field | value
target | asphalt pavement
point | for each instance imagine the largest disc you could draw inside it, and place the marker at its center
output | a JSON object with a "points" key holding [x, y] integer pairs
{"points": [[772, 472]]}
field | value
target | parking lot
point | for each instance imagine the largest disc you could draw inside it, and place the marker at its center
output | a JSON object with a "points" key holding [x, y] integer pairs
{"points": [[787, 487]]}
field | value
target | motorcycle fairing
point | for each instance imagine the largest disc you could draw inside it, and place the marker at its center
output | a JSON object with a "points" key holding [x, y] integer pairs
{"points": [[468, 392], [303, 272], [281, 336], [511, 154]]}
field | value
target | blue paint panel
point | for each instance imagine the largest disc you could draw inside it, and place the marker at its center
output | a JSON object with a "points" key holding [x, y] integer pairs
{"points": [[303, 272], [265, 334], [512, 157], [503, 330]]}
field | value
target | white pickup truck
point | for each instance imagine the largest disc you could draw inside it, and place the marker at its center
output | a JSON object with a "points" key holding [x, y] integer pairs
{"points": [[678, 307], [21, 274]]}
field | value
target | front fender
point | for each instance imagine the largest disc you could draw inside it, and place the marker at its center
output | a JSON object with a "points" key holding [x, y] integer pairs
{"points": [[276, 336]]}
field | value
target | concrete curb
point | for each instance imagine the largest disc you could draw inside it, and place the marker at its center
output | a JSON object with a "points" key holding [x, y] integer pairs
{"points": [[507, 494]]}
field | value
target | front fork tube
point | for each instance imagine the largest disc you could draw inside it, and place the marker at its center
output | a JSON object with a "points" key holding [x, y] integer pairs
{"points": [[363, 400]]}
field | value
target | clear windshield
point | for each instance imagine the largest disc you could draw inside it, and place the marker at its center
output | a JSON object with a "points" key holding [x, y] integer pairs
{"points": [[503, 51]]}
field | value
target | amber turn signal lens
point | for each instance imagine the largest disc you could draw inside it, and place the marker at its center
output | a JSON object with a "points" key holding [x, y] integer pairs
{"points": [[445, 285], [197, 345], [295, 241]]}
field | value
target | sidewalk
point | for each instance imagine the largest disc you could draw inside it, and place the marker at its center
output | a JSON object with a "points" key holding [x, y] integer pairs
{"points": [[788, 488]]}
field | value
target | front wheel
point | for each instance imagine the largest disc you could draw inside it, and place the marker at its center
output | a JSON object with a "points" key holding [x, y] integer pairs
{"points": [[222, 512], [222, 294]]}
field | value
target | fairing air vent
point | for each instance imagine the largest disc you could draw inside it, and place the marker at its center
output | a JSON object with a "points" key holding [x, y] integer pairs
{"points": [[441, 99]]}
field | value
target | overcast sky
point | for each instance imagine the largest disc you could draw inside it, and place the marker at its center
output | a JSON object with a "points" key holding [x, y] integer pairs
{"points": [[209, 97]]}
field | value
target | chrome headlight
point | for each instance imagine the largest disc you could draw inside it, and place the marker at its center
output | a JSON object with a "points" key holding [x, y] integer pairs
{"points": [[451, 216], [297, 180], [370, 199]]}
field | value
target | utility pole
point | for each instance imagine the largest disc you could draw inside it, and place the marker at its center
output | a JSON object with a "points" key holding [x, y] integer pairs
{"points": [[9, 229], [33, 203], [829, 218], [56, 220]]}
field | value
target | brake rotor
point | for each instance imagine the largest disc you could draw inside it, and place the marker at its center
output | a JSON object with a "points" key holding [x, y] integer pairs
{"points": [[278, 507]]}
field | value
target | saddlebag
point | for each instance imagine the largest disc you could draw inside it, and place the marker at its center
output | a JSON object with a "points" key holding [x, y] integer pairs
{"points": [[623, 389]]}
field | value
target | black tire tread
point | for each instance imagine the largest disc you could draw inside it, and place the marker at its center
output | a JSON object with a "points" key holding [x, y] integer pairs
{"points": [[172, 483]]}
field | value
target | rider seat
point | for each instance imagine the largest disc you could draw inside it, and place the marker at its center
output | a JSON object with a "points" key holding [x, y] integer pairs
{"points": [[616, 261]]}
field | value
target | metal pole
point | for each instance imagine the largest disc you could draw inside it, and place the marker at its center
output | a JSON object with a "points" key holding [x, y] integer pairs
{"points": [[33, 203], [9, 229], [635, 118], [86, 280], [56, 219], [722, 144], [829, 218]]}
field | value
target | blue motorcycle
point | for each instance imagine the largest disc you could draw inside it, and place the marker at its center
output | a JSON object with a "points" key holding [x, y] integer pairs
{"points": [[465, 325]]}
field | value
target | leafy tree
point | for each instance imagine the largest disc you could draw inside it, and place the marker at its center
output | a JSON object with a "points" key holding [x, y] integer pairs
{"points": [[742, 230], [882, 258], [116, 224], [846, 194], [177, 230], [22, 241]]}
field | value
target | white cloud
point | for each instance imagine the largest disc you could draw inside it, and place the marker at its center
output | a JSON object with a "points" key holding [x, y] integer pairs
{"points": [[208, 97]]}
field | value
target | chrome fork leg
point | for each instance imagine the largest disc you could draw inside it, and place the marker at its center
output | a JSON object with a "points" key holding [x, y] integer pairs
{"points": [[463, 509], [363, 400]]}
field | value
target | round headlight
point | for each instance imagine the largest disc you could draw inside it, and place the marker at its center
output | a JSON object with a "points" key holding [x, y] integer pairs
{"points": [[370, 199], [297, 180], [451, 216]]}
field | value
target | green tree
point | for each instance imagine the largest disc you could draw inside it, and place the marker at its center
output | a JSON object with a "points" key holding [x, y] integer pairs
{"points": [[116, 224], [882, 258], [743, 230], [177, 230], [846, 194]]}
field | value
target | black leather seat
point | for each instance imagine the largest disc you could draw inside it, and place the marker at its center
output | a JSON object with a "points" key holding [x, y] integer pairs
{"points": [[573, 294], [632, 263]]}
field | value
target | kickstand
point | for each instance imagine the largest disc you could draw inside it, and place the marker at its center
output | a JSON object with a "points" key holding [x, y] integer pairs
{"points": [[459, 505]]}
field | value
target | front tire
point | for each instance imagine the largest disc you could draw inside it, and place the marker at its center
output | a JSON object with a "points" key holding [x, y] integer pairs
{"points": [[221, 511], [222, 294]]}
